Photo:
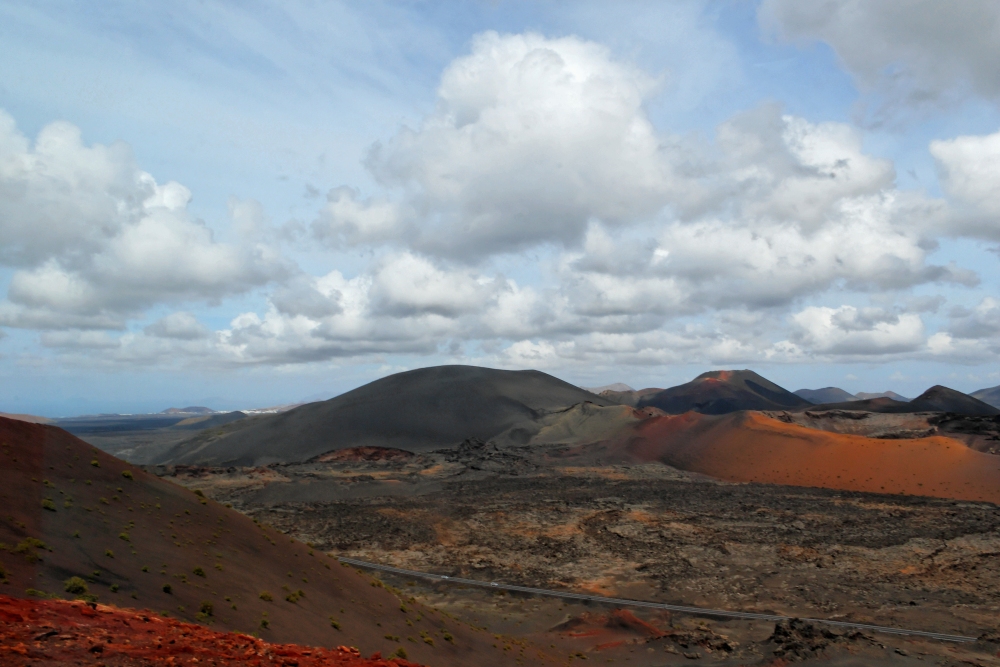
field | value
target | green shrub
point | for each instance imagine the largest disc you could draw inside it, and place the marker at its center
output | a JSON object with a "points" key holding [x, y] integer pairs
{"points": [[198, 572], [48, 504], [27, 548], [48, 596], [334, 624], [76, 586], [123, 536], [266, 597], [95, 463], [109, 553], [168, 589], [400, 653], [114, 588], [206, 608], [127, 474]]}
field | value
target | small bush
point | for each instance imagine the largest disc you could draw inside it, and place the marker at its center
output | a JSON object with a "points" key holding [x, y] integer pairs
{"points": [[127, 474], [198, 571], [168, 589], [50, 596], [48, 504], [334, 624], [27, 548], [400, 653], [114, 588], [266, 597], [75, 586], [264, 623], [198, 492], [145, 568], [95, 463], [109, 553], [447, 637], [123, 536], [206, 608]]}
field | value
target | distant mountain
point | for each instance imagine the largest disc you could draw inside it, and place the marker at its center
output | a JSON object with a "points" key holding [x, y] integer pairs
{"points": [[190, 410], [419, 410], [864, 395], [990, 395], [825, 395], [935, 399], [617, 386], [630, 397], [720, 392]]}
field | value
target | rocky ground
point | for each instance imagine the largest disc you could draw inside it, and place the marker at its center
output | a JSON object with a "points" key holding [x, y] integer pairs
{"points": [[648, 532]]}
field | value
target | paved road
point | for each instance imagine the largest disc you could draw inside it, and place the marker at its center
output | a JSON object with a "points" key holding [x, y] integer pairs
{"points": [[696, 611]]}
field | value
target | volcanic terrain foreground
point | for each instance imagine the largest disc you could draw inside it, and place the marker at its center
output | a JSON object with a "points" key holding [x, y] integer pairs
{"points": [[543, 517], [47, 632], [77, 522]]}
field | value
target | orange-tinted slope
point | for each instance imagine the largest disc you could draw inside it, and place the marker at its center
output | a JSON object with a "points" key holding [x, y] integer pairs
{"points": [[69, 510], [49, 632], [750, 447]]}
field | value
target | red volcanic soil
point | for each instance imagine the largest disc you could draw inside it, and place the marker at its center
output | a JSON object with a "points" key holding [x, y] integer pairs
{"points": [[69, 510], [36, 632], [618, 627], [750, 447]]}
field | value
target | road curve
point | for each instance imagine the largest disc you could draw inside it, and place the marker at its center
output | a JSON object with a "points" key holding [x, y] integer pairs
{"points": [[695, 611]]}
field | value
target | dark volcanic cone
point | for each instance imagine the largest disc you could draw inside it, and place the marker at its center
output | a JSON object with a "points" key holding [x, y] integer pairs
{"points": [[943, 399], [416, 411], [721, 392]]}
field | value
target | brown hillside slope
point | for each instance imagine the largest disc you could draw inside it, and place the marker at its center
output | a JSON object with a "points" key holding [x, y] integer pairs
{"points": [[69, 510], [751, 447], [34, 419]]}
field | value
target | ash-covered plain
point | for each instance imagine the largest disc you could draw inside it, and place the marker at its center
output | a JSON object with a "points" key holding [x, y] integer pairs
{"points": [[560, 518]]}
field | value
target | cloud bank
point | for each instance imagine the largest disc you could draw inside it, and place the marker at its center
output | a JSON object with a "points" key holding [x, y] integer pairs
{"points": [[536, 217]]}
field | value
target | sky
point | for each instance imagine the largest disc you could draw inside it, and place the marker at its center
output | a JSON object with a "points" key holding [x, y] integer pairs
{"points": [[244, 204]]}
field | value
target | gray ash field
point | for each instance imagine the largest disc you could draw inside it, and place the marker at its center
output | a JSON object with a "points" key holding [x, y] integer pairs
{"points": [[531, 516]]}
